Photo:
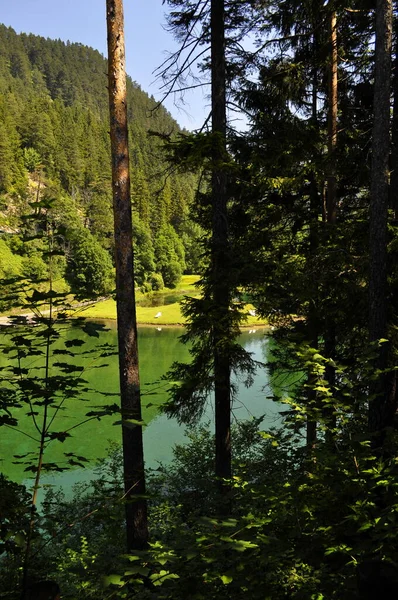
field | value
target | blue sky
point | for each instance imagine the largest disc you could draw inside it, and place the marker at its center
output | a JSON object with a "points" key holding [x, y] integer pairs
{"points": [[84, 21]]}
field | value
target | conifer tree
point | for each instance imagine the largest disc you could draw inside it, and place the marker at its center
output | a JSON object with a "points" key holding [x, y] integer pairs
{"points": [[133, 454], [382, 406], [213, 319], [220, 254]]}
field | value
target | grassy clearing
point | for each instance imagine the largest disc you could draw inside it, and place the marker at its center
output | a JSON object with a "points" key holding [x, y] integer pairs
{"points": [[171, 313], [146, 315], [187, 283]]}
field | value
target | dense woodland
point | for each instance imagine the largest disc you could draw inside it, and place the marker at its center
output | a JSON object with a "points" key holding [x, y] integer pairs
{"points": [[298, 212], [54, 146]]}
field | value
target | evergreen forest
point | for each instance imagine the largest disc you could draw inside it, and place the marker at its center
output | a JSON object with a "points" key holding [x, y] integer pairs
{"points": [[287, 199], [54, 148]]}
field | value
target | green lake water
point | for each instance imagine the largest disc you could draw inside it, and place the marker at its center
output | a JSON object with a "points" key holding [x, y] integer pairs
{"points": [[158, 349]]}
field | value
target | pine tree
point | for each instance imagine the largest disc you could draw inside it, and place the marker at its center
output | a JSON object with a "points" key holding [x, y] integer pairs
{"points": [[383, 404], [213, 319], [133, 454]]}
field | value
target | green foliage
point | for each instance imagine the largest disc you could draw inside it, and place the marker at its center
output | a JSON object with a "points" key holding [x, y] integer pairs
{"points": [[77, 570], [31, 159], [10, 264], [89, 267], [14, 520], [170, 255], [302, 526], [34, 268], [41, 378], [54, 143], [194, 256], [156, 281], [14, 501], [191, 383], [172, 273], [144, 256]]}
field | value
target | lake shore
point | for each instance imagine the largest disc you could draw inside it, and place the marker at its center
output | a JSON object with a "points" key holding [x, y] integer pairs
{"points": [[155, 309], [157, 316]]}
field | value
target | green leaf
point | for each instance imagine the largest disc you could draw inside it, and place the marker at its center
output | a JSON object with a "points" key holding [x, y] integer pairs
{"points": [[226, 579], [159, 578], [138, 570], [365, 526], [265, 435], [113, 580]]}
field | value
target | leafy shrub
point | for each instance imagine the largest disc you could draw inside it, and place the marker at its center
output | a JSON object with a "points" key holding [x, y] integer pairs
{"points": [[172, 273], [34, 268], [156, 281], [10, 264]]}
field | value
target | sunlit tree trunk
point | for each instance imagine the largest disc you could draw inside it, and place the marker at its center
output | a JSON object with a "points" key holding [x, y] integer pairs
{"points": [[332, 123], [133, 456], [220, 244]]}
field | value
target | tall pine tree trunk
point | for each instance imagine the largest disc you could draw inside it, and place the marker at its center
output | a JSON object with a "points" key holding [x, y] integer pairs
{"points": [[313, 317], [382, 401], [220, 247], [394, 140], [331, 212], [332, 123], [133, 456]]}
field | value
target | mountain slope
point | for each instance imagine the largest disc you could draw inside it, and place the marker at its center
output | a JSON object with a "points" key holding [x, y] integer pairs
{"points": [[54, 142]]}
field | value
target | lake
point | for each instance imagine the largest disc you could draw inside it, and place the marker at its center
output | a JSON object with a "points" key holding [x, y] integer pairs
{"points": [[158, 349]]}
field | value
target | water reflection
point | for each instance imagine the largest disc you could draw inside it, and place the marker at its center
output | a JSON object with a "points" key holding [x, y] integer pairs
{"points": [[159, 348]]}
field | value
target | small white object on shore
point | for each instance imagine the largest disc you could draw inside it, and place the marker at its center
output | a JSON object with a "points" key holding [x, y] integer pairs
{"points": [[252, 313], [159, 314]]}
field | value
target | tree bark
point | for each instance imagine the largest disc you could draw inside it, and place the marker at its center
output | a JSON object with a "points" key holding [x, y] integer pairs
{"points": [[381, 411], [313, 312], [133, 456], [332, 124], [394, 133], [313, 243], [220, 248], [330, 333]]}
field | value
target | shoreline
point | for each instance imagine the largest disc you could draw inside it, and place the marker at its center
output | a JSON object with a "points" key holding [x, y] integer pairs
{"points": [[176, 325], [152, 315], [5, 321]]}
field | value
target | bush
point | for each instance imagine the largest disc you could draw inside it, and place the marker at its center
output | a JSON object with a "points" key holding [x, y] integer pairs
{"points": [[34, 268], [10, 264], [156, 281], [172, 273]]}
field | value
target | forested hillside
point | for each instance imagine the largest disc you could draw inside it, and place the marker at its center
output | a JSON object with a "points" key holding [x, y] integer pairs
{"points": [[54, 147]]}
